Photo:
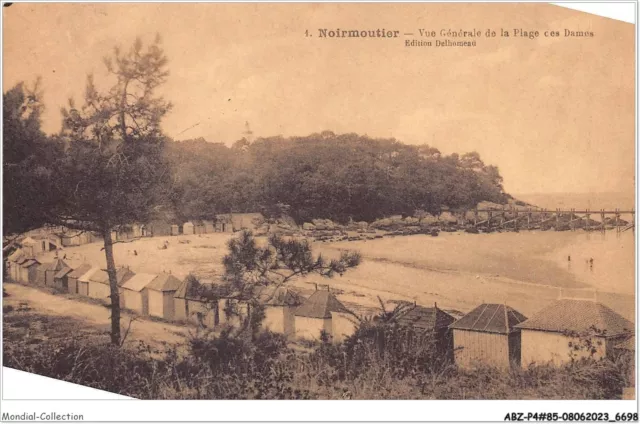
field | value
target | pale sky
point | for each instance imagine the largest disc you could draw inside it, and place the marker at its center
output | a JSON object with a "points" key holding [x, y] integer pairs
{"points": [[555, 115]]}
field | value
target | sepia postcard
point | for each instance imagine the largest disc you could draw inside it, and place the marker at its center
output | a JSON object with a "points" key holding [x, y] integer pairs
{"points": [[341, 202]]}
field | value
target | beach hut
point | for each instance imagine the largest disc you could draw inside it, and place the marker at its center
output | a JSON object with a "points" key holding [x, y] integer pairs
{"points": [[487, 336], [570, 329], [198, 227], [280, 305], [246, 221], [77, 238], [430, 320], [322, 311], [175, 230], [83, 281], [188, 228], [224, 223], [52, 269], [158, 228], [134, 297], [161, 296], [41, 274], [74, 275], [13, 266], [28, 272], [209, 226], [628, 348], [192, 305], [31, 247], [99, 287], [61, 279]]}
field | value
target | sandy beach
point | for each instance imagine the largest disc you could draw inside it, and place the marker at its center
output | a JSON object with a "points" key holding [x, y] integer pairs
{"points": [[457, 271]]}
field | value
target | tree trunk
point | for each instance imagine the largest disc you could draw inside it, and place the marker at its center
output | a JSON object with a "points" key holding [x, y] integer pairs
{"points": [[113, 286]]}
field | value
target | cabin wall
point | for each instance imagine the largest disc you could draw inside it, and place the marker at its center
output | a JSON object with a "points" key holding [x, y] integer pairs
{"points": [[156, 303], [545, 346], [472, 348], [274, 319], [15, 272], [310, 328], [99, 290], [180, 309], [61, 283], [72, 285], [168, 304], [48, 277], [34, 275], [83, 288], [289, 320], [40, 276], [136, 301], [200, 313], [342, 325]]}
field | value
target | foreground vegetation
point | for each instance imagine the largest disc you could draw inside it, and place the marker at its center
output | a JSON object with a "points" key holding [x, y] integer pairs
{"points": [[380, 361]]}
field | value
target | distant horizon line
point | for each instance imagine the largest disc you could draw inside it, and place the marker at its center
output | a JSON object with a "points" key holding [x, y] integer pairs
{"points": [[570, 192]]}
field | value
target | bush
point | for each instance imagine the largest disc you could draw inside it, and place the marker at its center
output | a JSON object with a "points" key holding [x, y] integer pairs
{"points": [[380, 361]]}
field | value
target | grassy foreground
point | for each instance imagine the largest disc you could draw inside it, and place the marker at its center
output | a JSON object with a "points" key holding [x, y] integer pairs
{"points": [[381, 361]]}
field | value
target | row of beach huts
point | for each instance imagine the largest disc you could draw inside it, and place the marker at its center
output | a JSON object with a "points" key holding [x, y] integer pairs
{"points": [[491, 334], [170, 298], [48, 239]]}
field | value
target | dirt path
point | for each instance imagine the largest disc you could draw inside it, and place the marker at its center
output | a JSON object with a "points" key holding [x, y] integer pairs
{"points": [[156, 333]]}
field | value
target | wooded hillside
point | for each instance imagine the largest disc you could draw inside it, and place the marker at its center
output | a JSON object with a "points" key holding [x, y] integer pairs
{"points": [[326, 175]]}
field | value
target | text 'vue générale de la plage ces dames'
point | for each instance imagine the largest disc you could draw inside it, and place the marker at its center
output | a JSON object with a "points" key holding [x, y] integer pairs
{"points": [[446, 37]]}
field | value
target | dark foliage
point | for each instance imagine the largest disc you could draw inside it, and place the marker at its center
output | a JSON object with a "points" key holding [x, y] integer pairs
{"points": [[325, 175]]}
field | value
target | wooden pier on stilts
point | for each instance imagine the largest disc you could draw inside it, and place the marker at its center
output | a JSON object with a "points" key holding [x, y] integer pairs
{"points": [[558, 219]]}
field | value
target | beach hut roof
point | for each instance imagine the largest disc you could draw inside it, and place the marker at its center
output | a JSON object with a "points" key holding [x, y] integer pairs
{"points": [[425, 318], [56, 265], [28, 241], [209, 289], [17, 254], [64, 271], [87, 275], [165, 282], [628, 344], [320, 305], [122, 276], [138, 281], [280, 296], [579, 316], [29, 263], [80, 271], [490, 318]]}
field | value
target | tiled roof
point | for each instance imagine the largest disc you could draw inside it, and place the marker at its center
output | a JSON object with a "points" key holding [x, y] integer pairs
{"points": [[281, 296], [64, 271], [89, 274], [165, 282], [80, 271], [56, 265], [122, 276], [320, 305], [629, 344], [17, 254], [580, 316], [425, 318], [29, 262], [138, 281], [490, 318]]}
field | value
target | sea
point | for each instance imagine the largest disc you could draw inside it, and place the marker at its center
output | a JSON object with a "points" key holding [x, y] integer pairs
{"points": [[592, 201]]}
